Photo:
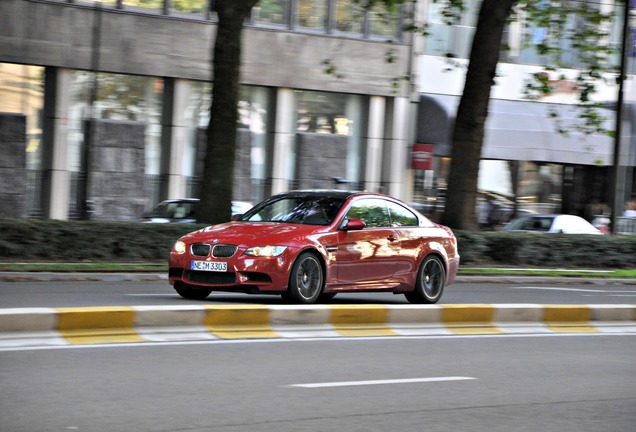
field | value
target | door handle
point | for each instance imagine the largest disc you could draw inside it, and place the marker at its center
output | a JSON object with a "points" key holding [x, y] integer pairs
{"points": [[392, 238]]}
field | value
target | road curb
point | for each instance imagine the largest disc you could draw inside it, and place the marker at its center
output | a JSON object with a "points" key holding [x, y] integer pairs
{"points": [[24, 327]]}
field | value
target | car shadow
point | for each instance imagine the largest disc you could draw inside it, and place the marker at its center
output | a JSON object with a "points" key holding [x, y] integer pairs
{"points": [[278, 300]]}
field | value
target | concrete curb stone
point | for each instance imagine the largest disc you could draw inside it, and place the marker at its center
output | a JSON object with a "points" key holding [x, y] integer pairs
{"points": [[29, 327]]}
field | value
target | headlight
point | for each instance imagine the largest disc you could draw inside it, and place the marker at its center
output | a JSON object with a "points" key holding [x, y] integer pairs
{"points": [[265, 251], [179, 247]]}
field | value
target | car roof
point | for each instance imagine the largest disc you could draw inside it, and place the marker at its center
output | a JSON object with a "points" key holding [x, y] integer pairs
{"points": [[178, 200], [322, 193]]}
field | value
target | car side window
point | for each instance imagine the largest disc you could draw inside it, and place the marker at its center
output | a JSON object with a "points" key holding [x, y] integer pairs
{"points": [[373, 212], [537, 224], [401, 217]]}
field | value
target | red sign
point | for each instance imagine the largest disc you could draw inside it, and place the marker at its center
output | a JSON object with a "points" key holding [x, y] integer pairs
{"points": [[422, 157]]}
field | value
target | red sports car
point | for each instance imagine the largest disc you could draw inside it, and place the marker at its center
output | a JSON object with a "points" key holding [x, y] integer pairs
{"points": [[309, 245]]}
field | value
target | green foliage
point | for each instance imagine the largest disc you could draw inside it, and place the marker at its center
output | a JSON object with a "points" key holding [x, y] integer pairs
{"points": [[584, 26], [193, 6], [73, 241], [587, 30], [546, 250], [49, 240]]}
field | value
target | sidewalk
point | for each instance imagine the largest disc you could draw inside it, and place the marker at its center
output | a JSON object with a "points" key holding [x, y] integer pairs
{"points": [[41, 327]]}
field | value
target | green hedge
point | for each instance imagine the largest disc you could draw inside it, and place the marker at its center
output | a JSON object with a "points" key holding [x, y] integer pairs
{"points": [[547, 250], [47, 240]]}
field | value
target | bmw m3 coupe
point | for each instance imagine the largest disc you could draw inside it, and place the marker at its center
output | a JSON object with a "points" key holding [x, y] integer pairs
{"points": [[307, 246]]}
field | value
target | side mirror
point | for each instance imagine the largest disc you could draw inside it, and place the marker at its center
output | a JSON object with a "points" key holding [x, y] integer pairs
{"points": [[354, 225], [235, 217]]}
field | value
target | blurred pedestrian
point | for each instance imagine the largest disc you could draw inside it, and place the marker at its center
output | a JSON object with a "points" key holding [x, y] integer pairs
{"points": [[485, 212]]}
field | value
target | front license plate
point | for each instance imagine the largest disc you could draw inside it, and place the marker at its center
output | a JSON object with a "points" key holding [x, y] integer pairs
{"points": [[209, 266]]}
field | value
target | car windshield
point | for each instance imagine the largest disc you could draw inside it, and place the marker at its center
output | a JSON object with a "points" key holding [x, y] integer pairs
{"points": [[310, 210]]}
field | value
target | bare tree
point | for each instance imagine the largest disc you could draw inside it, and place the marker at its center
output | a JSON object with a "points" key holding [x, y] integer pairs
{"points": [[218, 172], [468, 134]]}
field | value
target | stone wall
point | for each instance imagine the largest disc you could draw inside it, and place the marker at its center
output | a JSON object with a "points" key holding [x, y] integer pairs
{"points": [[12, 165], [116, 170], [319, 158]]}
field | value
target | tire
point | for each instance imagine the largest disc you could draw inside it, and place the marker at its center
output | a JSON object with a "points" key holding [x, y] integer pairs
{"points": [[306, 280], [431, 279], [191, 292]]}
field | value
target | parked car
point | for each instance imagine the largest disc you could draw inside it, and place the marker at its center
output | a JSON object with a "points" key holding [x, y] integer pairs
{"points": [[184, 211], [310, 245], [552, 223]]}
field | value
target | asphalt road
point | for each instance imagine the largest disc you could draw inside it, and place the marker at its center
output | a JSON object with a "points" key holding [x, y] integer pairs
{"points": [[74, 293], [479, 384]]}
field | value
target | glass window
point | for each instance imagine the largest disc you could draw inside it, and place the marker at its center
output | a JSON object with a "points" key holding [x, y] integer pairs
{"points": [[253, 115], [349, 16], [150, 4], [195, 116], [189, 6], [271, 12], [455, 39], [373, 212], [119, 97], [320, 112], [335, 114], [311, 14], [252, 111], [310, 210], [111, 2], [22, 92], [401, 217], [384, 23]]}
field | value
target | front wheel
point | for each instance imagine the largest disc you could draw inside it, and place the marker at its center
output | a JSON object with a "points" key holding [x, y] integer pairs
{"points": [[306, 280], [191, 292], [429, 286]]}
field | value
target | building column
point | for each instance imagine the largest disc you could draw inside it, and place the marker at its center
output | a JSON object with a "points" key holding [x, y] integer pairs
{"points": [[398, 146], [284, 133], [174, 139], [373, 171], [56, 179]]}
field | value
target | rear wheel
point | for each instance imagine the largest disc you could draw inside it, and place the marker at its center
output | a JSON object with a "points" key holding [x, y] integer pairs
{"points": [[429, 286], [306, 280], [191, 292]]}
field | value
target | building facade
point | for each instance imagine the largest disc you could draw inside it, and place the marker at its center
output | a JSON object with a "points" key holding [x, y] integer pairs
{"points": [[107, 102], [524, 157], [122, 90]]}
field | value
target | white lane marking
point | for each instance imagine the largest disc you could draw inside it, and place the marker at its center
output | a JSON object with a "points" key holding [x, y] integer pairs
{"points": [[379, 382], [574, 290], [543, 270], [339, 339]]}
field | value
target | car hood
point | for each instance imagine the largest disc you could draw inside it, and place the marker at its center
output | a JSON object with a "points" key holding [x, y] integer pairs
{"points": [[252, 233]]}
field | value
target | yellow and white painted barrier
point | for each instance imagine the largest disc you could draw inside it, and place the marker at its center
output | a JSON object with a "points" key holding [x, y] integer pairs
{"points": [[126, 324]]}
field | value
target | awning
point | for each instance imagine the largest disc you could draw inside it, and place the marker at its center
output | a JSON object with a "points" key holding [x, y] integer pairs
{"points": [[518, 130]]}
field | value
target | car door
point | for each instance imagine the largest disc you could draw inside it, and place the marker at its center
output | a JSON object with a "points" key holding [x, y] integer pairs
{"points": [[411, 236], [367, 257]]}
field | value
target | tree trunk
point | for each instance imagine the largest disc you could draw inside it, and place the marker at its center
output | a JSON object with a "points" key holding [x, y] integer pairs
{"points": [[218, 172], [468, 133]]}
